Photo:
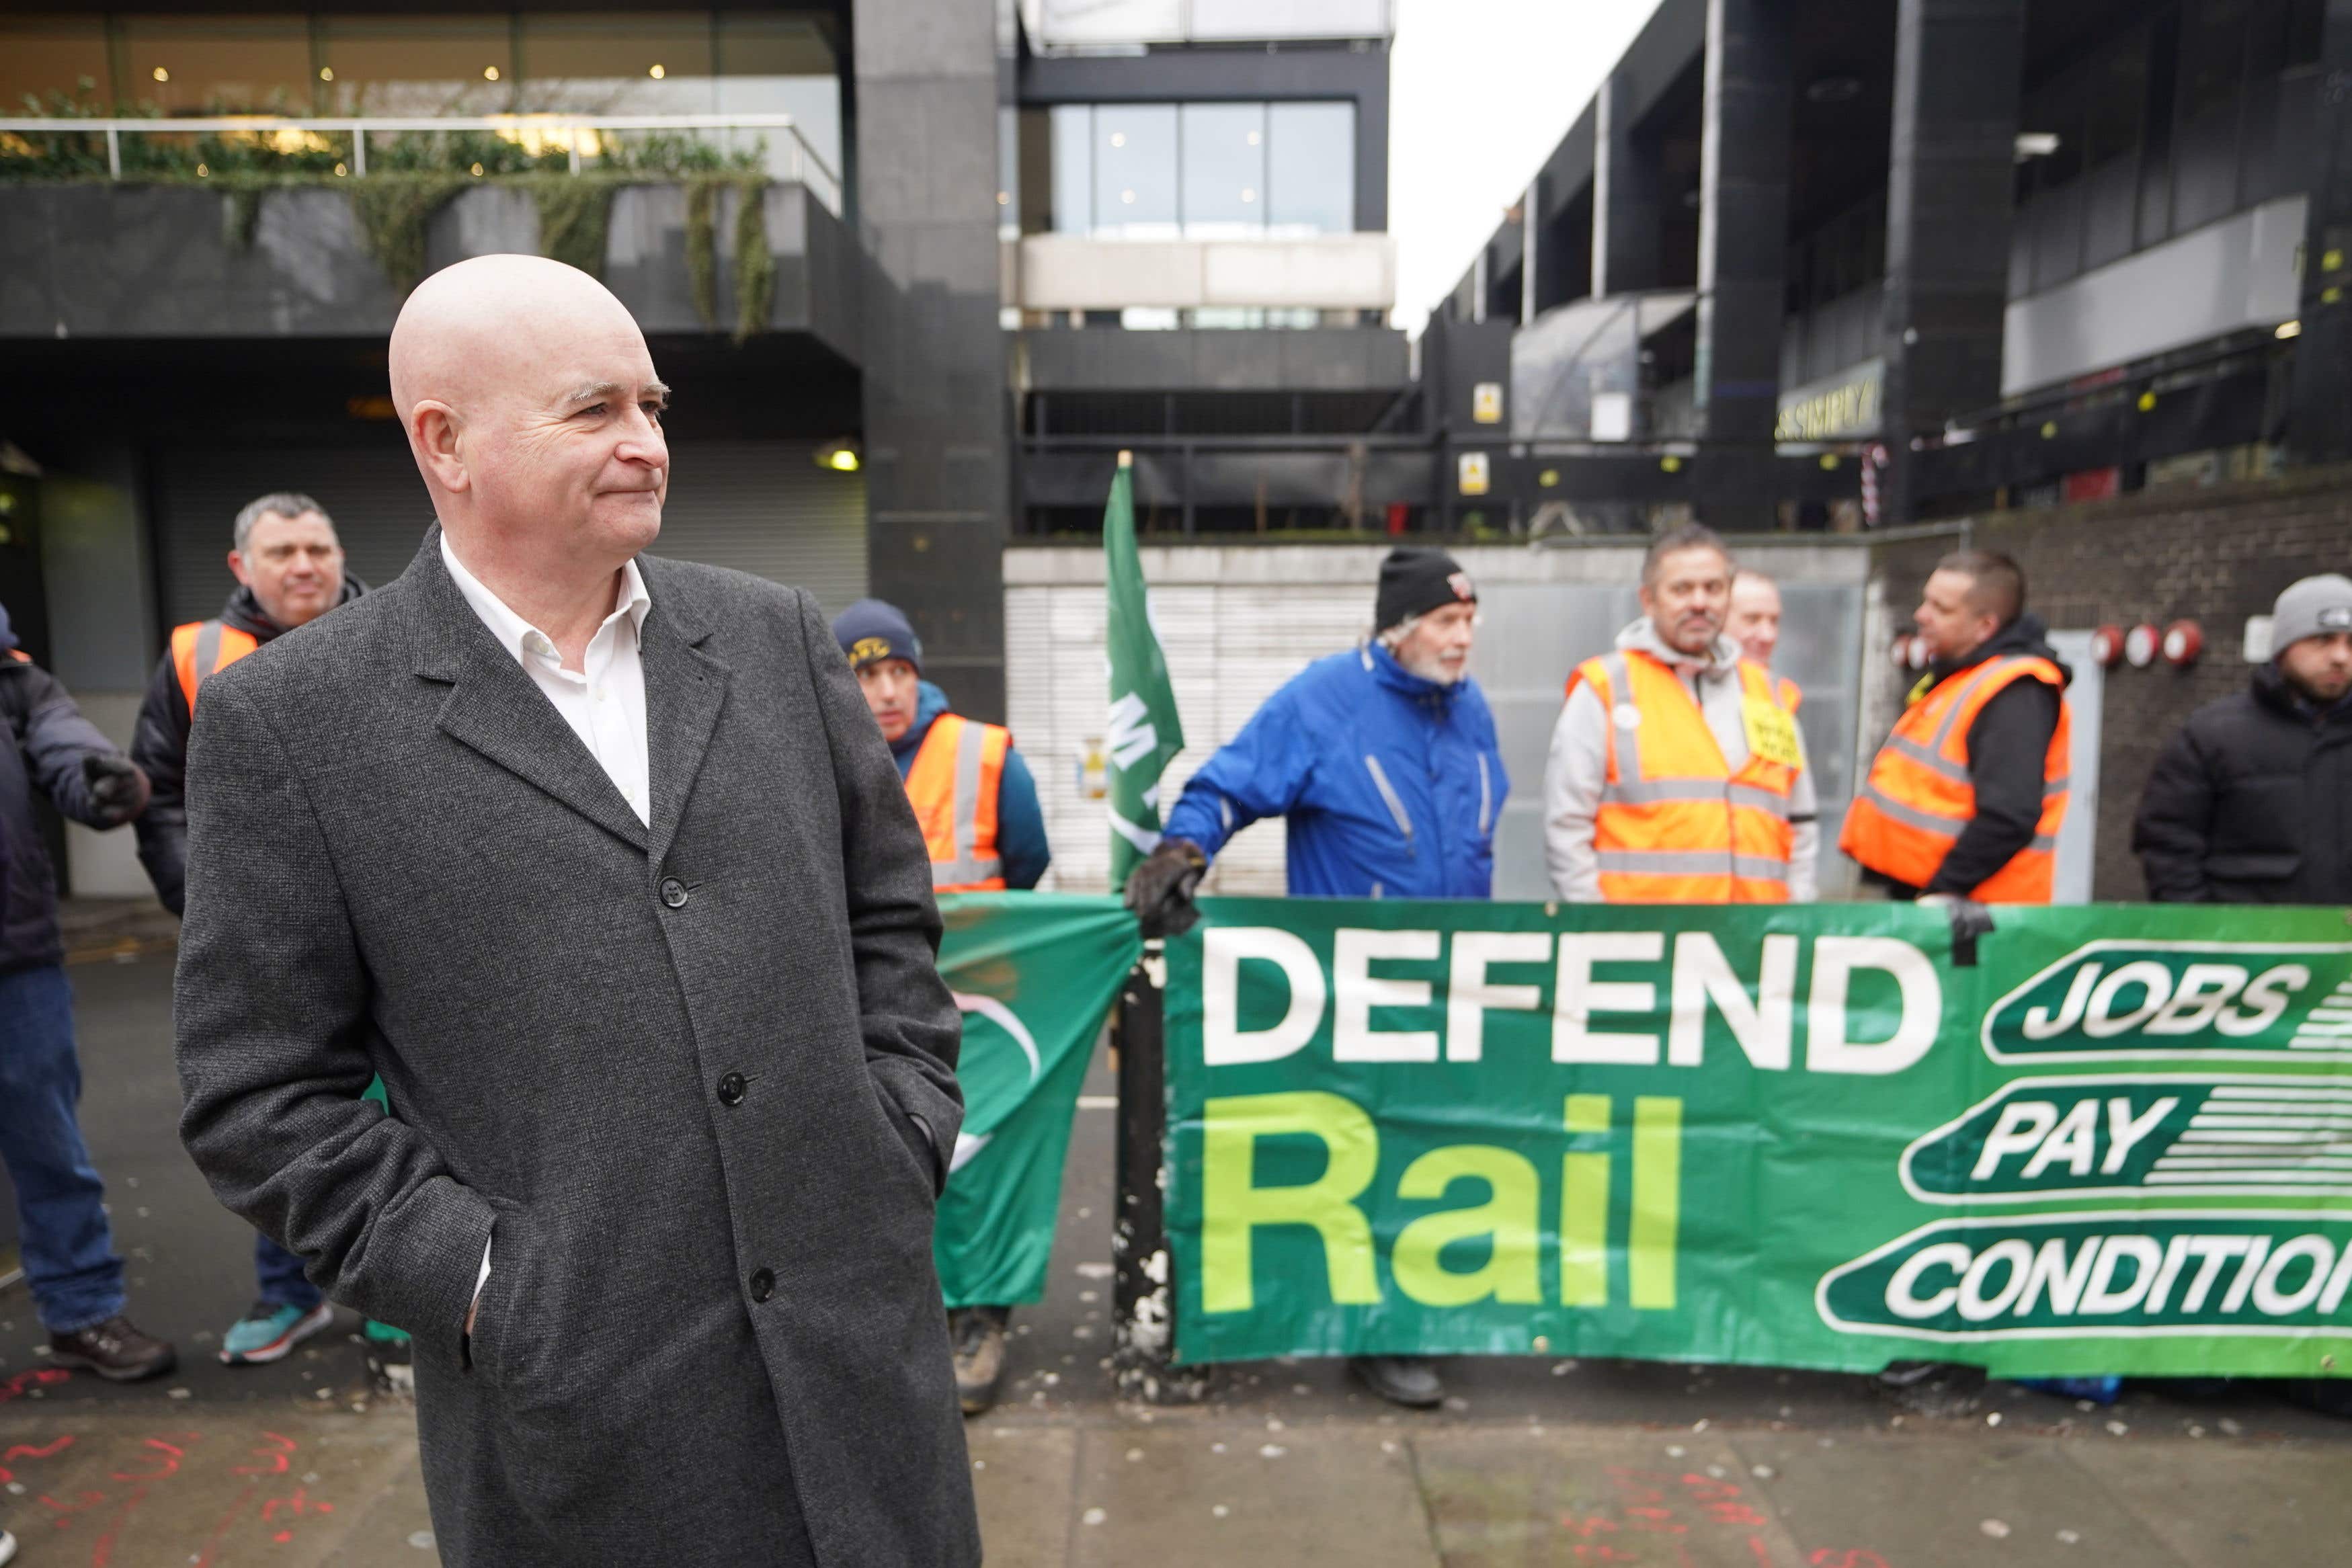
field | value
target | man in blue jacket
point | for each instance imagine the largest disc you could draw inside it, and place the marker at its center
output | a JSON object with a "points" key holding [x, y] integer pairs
{"points": [[67, 1244], [1383, 763]]}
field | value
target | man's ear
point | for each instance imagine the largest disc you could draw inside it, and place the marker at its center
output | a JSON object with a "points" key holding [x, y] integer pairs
{"points": [[236, 568], [434, 431]]}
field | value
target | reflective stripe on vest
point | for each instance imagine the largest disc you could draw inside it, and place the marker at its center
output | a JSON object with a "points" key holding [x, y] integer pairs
{"points": [[1676, 823], [1918, 796], [204, 648], [953, 788]]}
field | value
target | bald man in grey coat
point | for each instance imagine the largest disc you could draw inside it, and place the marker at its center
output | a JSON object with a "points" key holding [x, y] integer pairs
{"points": [[599, 861]]}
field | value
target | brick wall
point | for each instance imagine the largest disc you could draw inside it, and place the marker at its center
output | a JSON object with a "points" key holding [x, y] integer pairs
{"points": [[2215, 556]]}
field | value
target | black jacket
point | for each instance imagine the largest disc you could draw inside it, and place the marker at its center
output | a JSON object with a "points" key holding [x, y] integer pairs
{"points": [[2252, 803], [160, 746], [2006, 743], [47, 739]]}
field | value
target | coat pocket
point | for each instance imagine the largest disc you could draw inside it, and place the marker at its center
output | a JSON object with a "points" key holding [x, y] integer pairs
{"points": [[909, 1139], [495, 1348], [1390, 797]]}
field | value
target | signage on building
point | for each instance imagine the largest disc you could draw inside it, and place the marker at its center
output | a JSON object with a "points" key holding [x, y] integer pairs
{"points": [[1471, 474], [1841, 405], [1487, 402]]}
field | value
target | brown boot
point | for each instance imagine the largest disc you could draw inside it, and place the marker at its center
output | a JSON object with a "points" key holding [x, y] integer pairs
{"points": [[978, 1334], [115, 1350]]}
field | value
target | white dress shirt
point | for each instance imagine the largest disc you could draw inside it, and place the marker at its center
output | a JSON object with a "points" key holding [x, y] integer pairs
{"points": [[604, 703]]}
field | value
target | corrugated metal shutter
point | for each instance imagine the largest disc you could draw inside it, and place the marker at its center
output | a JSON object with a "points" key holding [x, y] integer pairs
{"points": [[761, 506]]}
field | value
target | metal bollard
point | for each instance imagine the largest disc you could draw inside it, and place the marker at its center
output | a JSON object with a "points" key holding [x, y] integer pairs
{"points": [[1143, 1284]]}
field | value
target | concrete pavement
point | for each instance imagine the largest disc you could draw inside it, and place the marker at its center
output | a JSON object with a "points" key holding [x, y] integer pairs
{"points": [[1532, 1462]]}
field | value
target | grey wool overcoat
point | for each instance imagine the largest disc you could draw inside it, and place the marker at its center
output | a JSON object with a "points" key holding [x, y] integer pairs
{"points": [[667, 1072]]}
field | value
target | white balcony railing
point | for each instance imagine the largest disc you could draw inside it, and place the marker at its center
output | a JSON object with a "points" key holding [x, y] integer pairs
{"points": [[1094, 24], [583, 137]]}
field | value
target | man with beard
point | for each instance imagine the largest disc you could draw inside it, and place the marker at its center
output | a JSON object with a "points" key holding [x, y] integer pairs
{"points": [[289, 565], [1677, 774], [1383, 763], [1964, 800], [2251, 800]]}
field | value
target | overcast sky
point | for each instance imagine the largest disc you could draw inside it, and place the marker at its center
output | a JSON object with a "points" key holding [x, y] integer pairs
{"points": [[1480, 93]]}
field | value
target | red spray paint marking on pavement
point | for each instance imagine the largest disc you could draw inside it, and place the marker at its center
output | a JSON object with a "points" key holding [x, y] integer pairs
{"points": [[169, 1464], [26, 1451], [25, 1381], [102, 1553]]}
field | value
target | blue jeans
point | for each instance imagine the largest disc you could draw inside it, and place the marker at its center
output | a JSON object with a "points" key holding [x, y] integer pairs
{"points": [[279, 1273], [68, 1247]]}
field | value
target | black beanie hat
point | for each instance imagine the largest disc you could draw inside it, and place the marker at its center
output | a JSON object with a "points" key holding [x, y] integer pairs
{"points": [[1416, 581], [871, 630]]}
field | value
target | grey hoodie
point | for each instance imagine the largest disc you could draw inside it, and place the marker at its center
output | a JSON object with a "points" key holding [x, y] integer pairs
{"points": [[1577, 768]]}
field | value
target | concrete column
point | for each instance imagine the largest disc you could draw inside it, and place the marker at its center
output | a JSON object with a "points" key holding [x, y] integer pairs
{"points": [[938, 428], [1951, 190], [1624, 198], [2320, 430], [1743, 241]]}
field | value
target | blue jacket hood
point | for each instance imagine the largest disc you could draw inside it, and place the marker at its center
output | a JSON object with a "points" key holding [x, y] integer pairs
{"points": [[7, 635]]}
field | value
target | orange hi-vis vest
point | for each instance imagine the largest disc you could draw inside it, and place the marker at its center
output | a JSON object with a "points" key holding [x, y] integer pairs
{"points": [[1676, 824], [1792, 696], [204, 648], [1918, 796], [953, 788]]}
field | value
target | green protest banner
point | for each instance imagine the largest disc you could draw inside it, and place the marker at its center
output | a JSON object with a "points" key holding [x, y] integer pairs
{"points": [[1036, 976], [1797, 1136]]}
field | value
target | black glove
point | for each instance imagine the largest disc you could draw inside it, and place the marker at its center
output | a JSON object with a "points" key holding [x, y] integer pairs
{"points": [[1970, 921], [117, 787], [1160, 891]]}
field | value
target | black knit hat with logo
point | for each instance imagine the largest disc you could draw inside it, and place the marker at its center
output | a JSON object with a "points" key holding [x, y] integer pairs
{"points": [[1416, 581]]}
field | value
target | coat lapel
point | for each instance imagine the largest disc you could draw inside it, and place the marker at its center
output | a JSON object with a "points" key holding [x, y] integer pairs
{"points": [[497, 710], [684, 689]]}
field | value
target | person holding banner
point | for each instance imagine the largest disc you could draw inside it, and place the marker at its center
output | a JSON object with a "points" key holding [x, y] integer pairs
{"points": [[976, 804], [1965, 799], [1677, 774], [1383, 763]]}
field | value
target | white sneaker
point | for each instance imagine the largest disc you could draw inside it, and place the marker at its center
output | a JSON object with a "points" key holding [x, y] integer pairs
{"points": [[7, 1547]]}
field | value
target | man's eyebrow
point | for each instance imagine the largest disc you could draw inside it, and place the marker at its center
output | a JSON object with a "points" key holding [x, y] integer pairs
{"points": [[595, 390]]}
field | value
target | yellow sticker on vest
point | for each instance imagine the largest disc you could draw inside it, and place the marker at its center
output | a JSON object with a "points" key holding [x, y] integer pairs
{"points": [[1772, 734]]}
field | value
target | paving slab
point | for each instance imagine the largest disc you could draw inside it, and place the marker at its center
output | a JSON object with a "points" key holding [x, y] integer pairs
{"points": [[1026, 1478], [1956, 1501], [2221, 1504], [1218, 1495], [1535, 1495], [219, 1488]]}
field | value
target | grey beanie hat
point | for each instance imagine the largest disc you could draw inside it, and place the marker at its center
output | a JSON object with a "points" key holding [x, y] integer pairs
{"points": [[2315, 607]]}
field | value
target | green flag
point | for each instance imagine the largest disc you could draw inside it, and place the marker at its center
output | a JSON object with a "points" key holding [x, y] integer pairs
{"points": [[1034, 975], [1144, 732]]}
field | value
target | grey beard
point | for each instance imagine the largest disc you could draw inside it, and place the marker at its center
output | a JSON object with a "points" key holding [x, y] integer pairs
{"points": [[1437, 670]]}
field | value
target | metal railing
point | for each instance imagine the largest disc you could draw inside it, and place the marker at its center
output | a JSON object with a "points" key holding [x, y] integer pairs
{"points": [[581, 136]]}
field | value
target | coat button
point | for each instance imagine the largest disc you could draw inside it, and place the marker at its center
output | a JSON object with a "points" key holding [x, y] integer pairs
{"points": [[764, 1284], [732, 1088], [673, 892]]}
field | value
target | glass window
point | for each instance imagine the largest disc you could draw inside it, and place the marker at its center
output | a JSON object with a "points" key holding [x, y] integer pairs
{"points": [[1135, 170], [416, 65], [1074, 168], [645, 64], [49, 57], [782, 65], [1310, 174], [224, 65], [1224, 170]]}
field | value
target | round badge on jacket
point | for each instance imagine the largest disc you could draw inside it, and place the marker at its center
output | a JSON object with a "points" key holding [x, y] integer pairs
{"points": [[1628, 717]]}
